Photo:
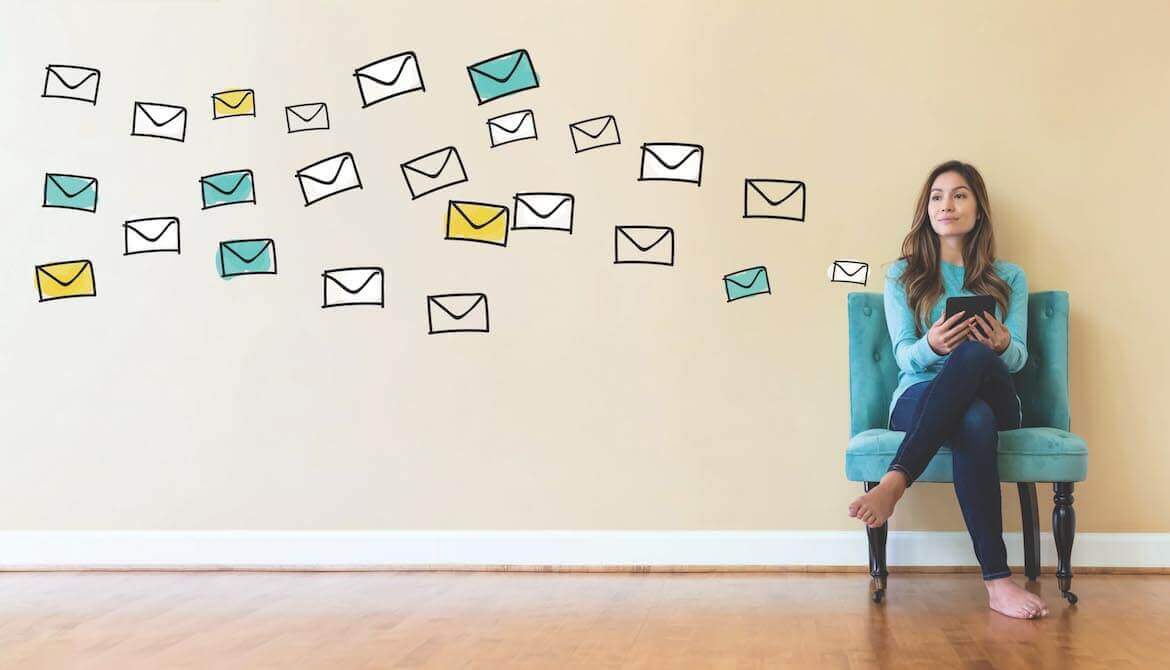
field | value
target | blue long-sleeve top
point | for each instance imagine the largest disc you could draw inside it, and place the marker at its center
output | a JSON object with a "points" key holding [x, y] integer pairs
{"points": [[917, 361]]}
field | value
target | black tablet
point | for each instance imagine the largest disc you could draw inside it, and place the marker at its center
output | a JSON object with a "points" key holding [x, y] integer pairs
{"points": [[972, 305]]}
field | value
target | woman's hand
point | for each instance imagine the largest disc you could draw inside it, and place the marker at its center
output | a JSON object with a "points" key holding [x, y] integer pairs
{"points": [[997, 337], [944, 336]]}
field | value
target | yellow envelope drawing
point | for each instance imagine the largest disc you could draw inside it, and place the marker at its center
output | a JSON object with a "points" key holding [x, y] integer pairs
{"points": [[773, 199], [237, 102], [66, 279], [477, 222]]}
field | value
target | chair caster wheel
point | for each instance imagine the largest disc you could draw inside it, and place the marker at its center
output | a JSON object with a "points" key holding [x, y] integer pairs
{"points": [[1070, 597], [876, 596]]}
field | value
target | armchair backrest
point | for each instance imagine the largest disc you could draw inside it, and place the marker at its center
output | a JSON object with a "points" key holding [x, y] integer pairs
{"points": [[1042, 383]]}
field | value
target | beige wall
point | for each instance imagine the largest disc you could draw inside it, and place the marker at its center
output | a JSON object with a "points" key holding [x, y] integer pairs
{"points": [[607, 397]]}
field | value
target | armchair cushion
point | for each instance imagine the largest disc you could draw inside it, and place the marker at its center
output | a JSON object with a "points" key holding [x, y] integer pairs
{"points": [[1025, 455]]}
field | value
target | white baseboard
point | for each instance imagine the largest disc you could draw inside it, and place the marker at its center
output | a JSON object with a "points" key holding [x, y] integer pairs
{"points": [[565, 549]]}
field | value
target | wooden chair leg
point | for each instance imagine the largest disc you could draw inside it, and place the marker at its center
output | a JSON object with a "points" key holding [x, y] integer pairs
{"points": [[1030, 511], [1064, 527], [877, 555]]}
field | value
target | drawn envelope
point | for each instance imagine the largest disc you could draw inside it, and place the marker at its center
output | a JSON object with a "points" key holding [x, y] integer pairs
{"points": [[477, 222], [457, 313], [431, 172], [67, 279], [153, 119], [502, 75], [237, 102], [672, 161], [652, 245], [773, 199], [327, 177], [146, 236], [354, 286], [546, 211], [745, 283], [849, 272], [309, 116], [246, 257], [234, 187], [512, 127], [71, 191], [392, 76], [72, 82], [600, 131]]}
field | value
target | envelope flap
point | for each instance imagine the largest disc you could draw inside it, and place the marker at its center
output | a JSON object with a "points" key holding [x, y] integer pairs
{"points": [[543, 205], [458, 305], [633, 234], [850, 268], [312, 109], [775, 192], [511, 122], [478, 215], [228, 180], [671, 155], [746, 278], [386, 71], [72, 186], [72, 76], [432, 164], [159, 114], [151, 229], [501, 68], [326, 171], [593, 127], [352, 280], [64, 273], [246, 250], [232, 99]]}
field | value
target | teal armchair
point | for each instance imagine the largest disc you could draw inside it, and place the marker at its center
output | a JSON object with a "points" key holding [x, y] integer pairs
{"points": [[1041, 451]]}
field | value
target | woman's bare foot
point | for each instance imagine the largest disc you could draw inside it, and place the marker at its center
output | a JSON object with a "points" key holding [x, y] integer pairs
{"points": [[1010, 599], [877, 504]]}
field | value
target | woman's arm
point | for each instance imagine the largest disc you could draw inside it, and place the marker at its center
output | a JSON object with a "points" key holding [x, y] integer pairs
{"points": [[911, 351], [1016, 353]]}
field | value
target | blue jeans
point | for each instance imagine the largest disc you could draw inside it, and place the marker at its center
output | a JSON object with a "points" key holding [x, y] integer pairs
{"points": [[970, 400]]}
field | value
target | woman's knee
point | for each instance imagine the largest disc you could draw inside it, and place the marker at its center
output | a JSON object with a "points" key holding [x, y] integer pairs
{"points": [[977, 427], [973, 352]]}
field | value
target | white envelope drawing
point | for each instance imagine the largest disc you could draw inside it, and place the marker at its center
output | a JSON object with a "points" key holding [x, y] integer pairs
{"points": [[354, 286], [392, 76], [146, 236], [512, 127], [600, 131], [849, 272], [153, 119], [773, 199], [672, 161], [328, 177], [653, 245], [431, 172], [309, 116], [72, 82], [457, 313], [546, 211]]}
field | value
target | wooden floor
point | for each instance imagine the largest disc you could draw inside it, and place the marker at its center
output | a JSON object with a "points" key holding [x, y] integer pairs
{"points": [[531, 620]]}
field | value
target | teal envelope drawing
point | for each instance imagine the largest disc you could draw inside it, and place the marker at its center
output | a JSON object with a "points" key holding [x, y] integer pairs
{"points": [[744, 283], [228, 188], [502, 75], [71, 191], [246, 257]]}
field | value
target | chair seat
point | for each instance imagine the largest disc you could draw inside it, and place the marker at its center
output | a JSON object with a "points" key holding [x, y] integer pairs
{"points": [[1025, 455]]}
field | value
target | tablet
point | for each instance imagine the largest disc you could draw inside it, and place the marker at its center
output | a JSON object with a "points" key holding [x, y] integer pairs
{"points": [[972, 305]]}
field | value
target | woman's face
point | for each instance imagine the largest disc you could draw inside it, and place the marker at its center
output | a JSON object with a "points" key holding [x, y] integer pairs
{"points": [[952, 205]]}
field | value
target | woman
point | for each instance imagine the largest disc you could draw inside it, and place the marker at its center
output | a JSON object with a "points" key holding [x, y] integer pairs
{"points": [[955, 383]]}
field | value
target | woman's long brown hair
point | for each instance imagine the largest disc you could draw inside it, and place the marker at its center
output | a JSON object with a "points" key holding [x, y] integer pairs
{"points": [[922, 278]]}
